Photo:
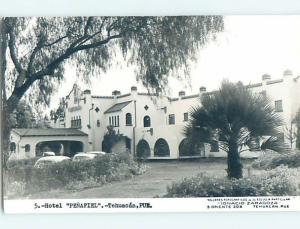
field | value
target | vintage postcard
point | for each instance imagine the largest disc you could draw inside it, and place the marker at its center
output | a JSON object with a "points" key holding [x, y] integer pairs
{"points": [[150, 114]]}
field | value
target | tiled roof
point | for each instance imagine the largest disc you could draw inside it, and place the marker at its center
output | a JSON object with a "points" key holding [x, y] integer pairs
{"points": [[117, 107], [254, 85], [275, 81], [190, 96], [49, 132], [102, 97], [122, 96]]}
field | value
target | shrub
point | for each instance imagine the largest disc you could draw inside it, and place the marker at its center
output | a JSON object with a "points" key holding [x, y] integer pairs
{"points": [[15, 188], [75, 174], [21, 163], [271, 161], [278, 182]]}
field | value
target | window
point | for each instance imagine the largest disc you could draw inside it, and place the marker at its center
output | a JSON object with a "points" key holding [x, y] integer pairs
{"points": [[98, 123], [13, 147], [128, 118], [118, 121], [171, 119], [76, 122], [110, 123], [27, 148], [278, 106], [147, 121], [185, 116]]}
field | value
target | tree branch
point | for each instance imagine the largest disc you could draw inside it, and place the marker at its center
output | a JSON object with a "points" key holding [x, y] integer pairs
{"points": [[37, 48], [13, 52], [98, 43], [88, 24], [56, 41]]}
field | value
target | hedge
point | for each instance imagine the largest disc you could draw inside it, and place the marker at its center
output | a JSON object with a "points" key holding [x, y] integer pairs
{"points": [[279, 182]]}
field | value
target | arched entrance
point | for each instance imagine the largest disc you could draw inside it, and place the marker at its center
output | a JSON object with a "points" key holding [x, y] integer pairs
{"points": [[188, 149], [143, 149], [161, 148], [66, 148]]}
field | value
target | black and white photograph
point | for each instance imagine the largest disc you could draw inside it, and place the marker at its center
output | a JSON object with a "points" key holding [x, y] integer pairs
{"points": [[148, 109]]}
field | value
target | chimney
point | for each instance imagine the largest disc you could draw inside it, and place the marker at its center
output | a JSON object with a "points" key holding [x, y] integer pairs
{"points": [[115, 93], [87, 92], [181, 94], [133, 90], [287, 73], [202, 89], [265, 77]]}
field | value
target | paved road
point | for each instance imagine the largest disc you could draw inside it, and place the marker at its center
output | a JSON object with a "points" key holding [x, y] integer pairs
{"points": [[150, 184]]}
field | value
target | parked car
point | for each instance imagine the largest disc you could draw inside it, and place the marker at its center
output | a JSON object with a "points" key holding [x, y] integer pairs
{"points": [[83, 156], [98, 153], [49, 153], [48, 160]]}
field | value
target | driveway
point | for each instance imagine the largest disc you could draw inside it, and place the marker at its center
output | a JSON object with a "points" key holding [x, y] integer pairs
{"points": [[150, 184]]}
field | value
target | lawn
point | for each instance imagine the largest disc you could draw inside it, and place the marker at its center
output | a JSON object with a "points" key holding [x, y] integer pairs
{"points": [[150, 184]]}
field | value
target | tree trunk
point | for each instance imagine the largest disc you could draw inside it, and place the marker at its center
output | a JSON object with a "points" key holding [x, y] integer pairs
{"points": [[4, 118], [235, 167]]}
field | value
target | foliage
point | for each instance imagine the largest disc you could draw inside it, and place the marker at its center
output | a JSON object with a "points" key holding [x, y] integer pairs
{"points": [[110, 139], [297, 122], [278, 182], [59, 112], [22, 116], [74, 175], [157, 46], [236, 118], [35, 50], [271, 161], [291, 134], [21, 163]]}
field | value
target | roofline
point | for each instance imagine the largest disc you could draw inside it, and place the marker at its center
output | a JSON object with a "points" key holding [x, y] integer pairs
{"points": [[47, 135], [108, 112], [60, 135], [102, 97], [184, 97], [125, 95], [274, 81]]}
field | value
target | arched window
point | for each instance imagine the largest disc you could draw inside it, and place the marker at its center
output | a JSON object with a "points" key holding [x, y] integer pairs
{"points": [[161, 148], [128, 118], [143, 149], [147, 121], [13, 147], [27, 148], [187, 148]]}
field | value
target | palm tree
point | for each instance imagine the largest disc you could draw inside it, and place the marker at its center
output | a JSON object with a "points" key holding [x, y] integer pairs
{"points": [[239, 120]]}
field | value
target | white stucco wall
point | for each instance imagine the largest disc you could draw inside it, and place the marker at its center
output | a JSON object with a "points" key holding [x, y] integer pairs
{"points": [[34, 140], [159, 109]]}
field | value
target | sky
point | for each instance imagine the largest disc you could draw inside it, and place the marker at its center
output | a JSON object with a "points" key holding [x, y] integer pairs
{"points": [[249, 47]]}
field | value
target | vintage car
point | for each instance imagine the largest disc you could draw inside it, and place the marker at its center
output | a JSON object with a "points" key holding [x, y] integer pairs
{"points": [[48, 160], [83, 156], [49, 153], [98, 153]]}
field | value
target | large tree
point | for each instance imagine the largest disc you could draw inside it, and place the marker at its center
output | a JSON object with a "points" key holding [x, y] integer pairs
{"points": [[35, 50], [239, 120]]}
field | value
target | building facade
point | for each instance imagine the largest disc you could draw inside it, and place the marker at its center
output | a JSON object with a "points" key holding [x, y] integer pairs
{"points": [[152, 125], [29, 143]]}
